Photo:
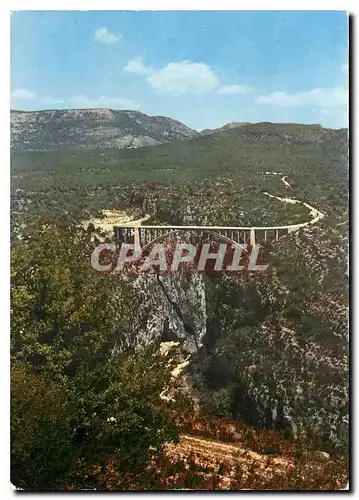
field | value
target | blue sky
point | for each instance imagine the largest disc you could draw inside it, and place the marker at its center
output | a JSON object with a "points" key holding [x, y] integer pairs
{"points": [[202, 68]]}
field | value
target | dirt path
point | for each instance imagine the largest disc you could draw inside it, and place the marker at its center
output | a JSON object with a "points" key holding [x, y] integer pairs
{"points": [[213, 454], [219, 450]]}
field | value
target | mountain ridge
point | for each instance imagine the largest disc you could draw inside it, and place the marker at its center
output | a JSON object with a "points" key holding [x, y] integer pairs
{"points": [[91, 129], [105, 128]]}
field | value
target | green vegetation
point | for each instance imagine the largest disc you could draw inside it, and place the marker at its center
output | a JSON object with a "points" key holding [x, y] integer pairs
{"points": [[78, 396], [217, 179], [87, 407]]}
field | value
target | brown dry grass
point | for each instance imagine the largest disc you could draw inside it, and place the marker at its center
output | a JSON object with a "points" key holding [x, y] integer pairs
{"points": [[219, 454]]}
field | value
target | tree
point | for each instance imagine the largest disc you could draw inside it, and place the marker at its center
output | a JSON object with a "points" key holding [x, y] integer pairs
{"points": [[64, 314], [79, 397]]}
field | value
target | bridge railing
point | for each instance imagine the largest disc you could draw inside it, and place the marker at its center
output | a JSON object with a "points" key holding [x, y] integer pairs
{"points": [[145, 234]]}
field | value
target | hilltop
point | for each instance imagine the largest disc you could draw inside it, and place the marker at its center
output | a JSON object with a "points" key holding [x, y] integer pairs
{"points": [[227, 126]]}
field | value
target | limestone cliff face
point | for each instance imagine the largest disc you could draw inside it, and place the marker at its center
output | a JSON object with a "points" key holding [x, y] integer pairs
{"points": [[173, 309], [278, 341], [92, 128]]}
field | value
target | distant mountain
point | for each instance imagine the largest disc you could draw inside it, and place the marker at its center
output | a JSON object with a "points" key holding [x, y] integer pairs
{"points": [[106, 128], [92, 128]]}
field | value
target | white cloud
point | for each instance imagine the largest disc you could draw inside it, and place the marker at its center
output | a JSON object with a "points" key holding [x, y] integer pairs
{"points": [[103, 35], [136, 66], [183, 77], [326, 98], [186, 76], [234, 89], [84, 102], [51, 100], [23, 94], [345, 68]]}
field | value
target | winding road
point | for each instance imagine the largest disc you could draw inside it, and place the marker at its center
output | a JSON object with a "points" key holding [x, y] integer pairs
{"points": [[315, 213]]}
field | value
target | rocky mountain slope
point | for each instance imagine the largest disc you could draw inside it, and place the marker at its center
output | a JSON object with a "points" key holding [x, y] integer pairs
{"points": [[92, 128], [228, 126]]}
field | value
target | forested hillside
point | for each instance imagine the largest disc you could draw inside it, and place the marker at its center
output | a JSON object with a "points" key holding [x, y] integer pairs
{"points": [[193, 178]]}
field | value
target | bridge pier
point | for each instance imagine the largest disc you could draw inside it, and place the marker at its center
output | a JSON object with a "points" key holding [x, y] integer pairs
{"points": [[137, 239], [252, 237]]}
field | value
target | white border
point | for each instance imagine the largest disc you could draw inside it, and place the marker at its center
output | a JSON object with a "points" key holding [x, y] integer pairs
{"points": [[348, 5]]}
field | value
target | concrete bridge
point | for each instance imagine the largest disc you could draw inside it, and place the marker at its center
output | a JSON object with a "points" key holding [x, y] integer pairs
{"points": [[145, 236]]}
